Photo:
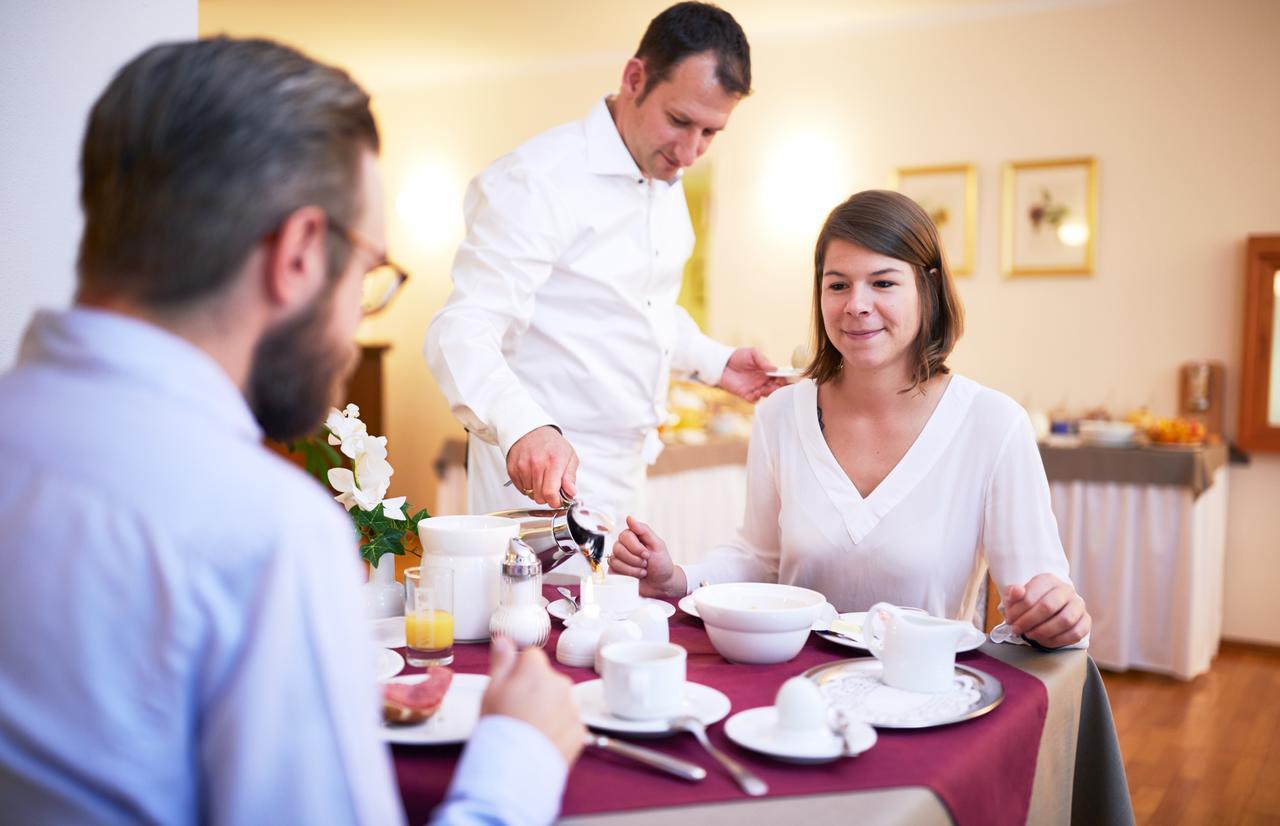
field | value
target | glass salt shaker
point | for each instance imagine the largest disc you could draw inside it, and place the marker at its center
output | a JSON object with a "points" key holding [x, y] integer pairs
{"points": [[520, 616]]}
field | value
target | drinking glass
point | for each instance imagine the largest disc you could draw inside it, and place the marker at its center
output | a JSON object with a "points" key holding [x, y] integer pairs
{"points": [[428, 614]]}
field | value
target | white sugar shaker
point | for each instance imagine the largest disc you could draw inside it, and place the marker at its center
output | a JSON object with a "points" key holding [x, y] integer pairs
{"points": [[520, 616]]}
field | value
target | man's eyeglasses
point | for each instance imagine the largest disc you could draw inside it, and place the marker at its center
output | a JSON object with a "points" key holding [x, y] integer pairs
{"points": [[381, 281]]}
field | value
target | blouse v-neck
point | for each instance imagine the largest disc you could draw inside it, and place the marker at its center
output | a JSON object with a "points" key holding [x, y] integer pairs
{"points": [[862, 514]]}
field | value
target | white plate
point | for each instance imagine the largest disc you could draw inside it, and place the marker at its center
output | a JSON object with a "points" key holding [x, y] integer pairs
{"points": [[974, 639], [454, 721], [562, 609], [786, 373], [757, 729], [701, 701], [388, 664], [854, 686], [389, 632], [825, 616]]}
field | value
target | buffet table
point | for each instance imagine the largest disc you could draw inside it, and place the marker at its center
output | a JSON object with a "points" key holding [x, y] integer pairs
{"points": [[1046, 755], [1145, 532]]}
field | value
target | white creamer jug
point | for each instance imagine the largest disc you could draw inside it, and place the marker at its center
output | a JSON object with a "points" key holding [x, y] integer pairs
{"points": [[918, 651]]}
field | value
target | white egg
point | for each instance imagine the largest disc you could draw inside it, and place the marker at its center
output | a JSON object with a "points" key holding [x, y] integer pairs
{"points": [[800, 706]]}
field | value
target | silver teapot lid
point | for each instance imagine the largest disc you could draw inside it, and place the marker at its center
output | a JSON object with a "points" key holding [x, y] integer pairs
{"points": [[520, 562]]}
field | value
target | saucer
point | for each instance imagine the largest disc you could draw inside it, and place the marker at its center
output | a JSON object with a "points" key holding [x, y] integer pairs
{"points": [[757, 729], [389, 632], [454, 721], [971, 641], [388, 664], [827, 614], [562, 609], [701, 701]]}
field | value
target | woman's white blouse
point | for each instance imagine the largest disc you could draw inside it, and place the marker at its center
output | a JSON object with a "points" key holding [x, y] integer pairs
{"points": [[970, 492]]}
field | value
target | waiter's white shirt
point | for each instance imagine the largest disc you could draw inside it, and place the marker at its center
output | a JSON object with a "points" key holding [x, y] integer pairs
{"points": [[182, 638], [970, 493], [564, 303]]}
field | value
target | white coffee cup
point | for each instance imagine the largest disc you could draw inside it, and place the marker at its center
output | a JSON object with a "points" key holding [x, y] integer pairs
{"points": [[918, 651], [643, 680]]}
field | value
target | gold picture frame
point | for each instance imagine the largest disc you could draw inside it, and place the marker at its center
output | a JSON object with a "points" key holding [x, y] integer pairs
{"points": [[1050, 217], [949, 194]]}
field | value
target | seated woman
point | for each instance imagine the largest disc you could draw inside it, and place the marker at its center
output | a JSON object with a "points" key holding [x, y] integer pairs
{"points": [[882, 475]]}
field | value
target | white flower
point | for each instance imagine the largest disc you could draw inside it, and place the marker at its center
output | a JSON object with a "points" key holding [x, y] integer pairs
{"points": [[353, 411], [344, 482], [393, 508], [347, 431]]}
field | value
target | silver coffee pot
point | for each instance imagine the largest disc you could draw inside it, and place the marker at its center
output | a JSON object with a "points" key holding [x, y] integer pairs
{"points": [[559, 534]]}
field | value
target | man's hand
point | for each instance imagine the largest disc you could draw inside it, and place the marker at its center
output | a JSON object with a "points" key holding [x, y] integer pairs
{"points": [[744, 375], [525, 687], [542, 463], [641, 553], [1046, 610]]}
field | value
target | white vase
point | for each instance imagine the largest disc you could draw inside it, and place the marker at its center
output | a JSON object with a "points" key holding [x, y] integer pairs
{"points": [[383, 596]]}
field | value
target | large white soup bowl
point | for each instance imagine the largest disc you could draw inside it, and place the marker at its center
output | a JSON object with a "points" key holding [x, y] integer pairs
{"points": [[758, 622]]}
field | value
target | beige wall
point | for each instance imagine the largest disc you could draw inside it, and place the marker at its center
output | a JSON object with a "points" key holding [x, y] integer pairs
{"points": [[1175, 99], [56, 58]]}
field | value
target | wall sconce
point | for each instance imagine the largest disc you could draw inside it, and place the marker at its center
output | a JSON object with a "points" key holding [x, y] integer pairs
{"points": [[430, 205], [803, 181]]}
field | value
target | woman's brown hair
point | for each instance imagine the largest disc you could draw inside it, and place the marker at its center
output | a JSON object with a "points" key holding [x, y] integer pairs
{"points": [[892, 224]]}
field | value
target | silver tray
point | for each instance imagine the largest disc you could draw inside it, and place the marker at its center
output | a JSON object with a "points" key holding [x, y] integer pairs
{"points": [[990, 691]]}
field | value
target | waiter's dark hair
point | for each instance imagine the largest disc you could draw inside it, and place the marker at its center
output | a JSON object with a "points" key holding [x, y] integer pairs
{"points": [[693, 28], [892, 224], [198, 150]]}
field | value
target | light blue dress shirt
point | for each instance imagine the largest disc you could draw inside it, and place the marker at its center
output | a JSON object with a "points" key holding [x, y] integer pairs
{"points": [[181, 632]]}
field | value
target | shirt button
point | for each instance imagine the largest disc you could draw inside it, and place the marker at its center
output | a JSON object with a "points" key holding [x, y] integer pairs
{"points": [[648, 303]]}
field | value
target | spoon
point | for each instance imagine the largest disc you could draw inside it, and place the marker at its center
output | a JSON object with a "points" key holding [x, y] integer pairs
{"points": [[567, 594], [750, 784]]}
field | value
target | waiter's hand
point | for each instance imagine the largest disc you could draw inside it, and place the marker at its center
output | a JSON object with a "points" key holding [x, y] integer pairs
{"points": [[1046, 610], [744, 375], [641, 553], [542, 463]]}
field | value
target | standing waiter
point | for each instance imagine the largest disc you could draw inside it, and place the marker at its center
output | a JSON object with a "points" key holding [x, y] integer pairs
{"points": [[556, 346]]}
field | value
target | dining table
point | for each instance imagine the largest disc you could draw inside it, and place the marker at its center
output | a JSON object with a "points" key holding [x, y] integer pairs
{"points": [[1046, 754]]}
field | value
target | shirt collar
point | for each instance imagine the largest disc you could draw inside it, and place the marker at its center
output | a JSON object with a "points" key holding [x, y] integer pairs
{"points": [[607, 154], [134, 351]]}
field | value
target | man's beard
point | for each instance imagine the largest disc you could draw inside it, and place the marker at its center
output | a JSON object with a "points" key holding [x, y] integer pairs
{"points": [[297, 373]]}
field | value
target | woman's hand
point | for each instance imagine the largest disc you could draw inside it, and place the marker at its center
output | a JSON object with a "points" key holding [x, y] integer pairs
{"points": [[1046, 610], [641, 553]]}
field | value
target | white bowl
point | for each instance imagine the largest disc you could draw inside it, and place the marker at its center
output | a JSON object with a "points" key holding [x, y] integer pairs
{"points": [[1109, 434], [467, 535], [758, 622]]}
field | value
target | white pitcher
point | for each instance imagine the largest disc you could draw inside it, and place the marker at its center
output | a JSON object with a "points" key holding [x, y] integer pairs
{"points": [[918, 651]]}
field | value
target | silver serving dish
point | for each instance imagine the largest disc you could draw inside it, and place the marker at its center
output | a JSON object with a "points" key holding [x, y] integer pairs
{"points": [[990, 692]]}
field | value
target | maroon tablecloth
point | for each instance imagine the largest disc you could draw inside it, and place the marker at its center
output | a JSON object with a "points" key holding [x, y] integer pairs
{"points": [[981, 769]]}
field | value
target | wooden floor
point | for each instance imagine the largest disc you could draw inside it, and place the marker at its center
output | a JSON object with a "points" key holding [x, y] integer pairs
{"points": [[1207, 751]]}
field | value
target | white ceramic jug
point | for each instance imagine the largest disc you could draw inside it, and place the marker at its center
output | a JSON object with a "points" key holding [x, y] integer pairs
{"points": [[918, 651], [473, 547]]}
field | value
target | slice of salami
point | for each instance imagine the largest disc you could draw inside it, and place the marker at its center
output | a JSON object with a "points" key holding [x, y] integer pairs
{"points": [[426, 695]]}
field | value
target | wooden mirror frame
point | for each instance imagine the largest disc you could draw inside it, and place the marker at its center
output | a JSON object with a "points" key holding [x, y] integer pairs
{"points": [[1261, 264]]}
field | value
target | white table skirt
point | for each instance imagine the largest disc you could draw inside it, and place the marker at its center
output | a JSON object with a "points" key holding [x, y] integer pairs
{"points": [[1148, 559]]}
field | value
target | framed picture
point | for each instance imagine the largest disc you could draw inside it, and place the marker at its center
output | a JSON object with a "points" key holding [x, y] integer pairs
{"points": [[1050, 217], [950, 195]]}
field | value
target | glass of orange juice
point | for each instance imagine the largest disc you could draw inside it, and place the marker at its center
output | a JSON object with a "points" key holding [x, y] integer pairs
{"points": [[428, 614]]}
